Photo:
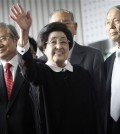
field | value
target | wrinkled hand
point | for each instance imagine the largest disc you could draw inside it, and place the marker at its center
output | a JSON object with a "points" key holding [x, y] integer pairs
{"points": [[22, 19]]}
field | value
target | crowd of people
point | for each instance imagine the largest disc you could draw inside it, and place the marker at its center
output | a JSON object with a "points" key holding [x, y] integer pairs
{"points": [[68, 90]]}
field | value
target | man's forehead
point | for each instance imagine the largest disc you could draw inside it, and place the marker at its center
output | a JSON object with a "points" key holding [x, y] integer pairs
{"points": [[114, 12]]}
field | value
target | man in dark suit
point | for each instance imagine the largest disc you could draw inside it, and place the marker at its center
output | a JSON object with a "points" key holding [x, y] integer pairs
{"points": [[112, 68], [16, 114], [89, 58]]}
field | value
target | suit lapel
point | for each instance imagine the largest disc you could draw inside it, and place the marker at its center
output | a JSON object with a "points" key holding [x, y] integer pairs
{"points": [[16, 87], [3, 90], [109, 73], [77, 51]]}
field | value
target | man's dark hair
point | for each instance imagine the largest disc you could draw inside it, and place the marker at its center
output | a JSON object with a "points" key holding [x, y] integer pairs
{"points": [[118, 7]]}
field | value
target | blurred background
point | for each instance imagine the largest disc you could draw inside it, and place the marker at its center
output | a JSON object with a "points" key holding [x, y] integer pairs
{"points": [[89, 14]]}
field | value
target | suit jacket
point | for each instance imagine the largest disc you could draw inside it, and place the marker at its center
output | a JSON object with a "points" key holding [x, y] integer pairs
{"points": [[16, 115], [92, 60], [113, 127]]}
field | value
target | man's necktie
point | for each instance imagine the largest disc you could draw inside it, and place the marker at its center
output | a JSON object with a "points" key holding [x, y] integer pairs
{"points": [[8, 78]]}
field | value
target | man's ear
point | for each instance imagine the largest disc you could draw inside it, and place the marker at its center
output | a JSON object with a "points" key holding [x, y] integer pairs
{"points": [[75, 26], [16, 38], [43, 50]]}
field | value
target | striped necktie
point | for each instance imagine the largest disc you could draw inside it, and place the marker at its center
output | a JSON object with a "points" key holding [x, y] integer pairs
{"points": [[8, 78]]}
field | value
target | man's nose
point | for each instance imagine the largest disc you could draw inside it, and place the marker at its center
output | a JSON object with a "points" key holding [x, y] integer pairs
{"points": [[112, 24]]}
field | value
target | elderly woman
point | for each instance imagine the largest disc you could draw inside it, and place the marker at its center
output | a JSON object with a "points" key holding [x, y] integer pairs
{"points": [[66, 98]]}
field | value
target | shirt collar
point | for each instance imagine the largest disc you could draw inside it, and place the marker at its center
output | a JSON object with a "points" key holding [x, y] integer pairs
{"points": [[13, 62], [68, 67]]}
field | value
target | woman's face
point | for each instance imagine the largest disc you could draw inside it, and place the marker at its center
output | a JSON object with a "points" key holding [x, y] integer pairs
{"points": [[113, 24], [57, 48]]}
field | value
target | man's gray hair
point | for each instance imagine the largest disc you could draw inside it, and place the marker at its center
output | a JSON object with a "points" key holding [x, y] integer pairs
{"points": [[64, 11], [11, 29]]}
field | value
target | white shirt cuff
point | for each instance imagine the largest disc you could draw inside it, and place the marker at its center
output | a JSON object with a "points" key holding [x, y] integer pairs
{"points": [[23, 50]]}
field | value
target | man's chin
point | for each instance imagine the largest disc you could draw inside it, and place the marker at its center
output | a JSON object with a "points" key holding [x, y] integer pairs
{"points": [[115, 39], [2, 55]]}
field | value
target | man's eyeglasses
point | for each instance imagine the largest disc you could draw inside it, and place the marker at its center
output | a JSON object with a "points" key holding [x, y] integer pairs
{"points": [[4, 38], [55, 42]]}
